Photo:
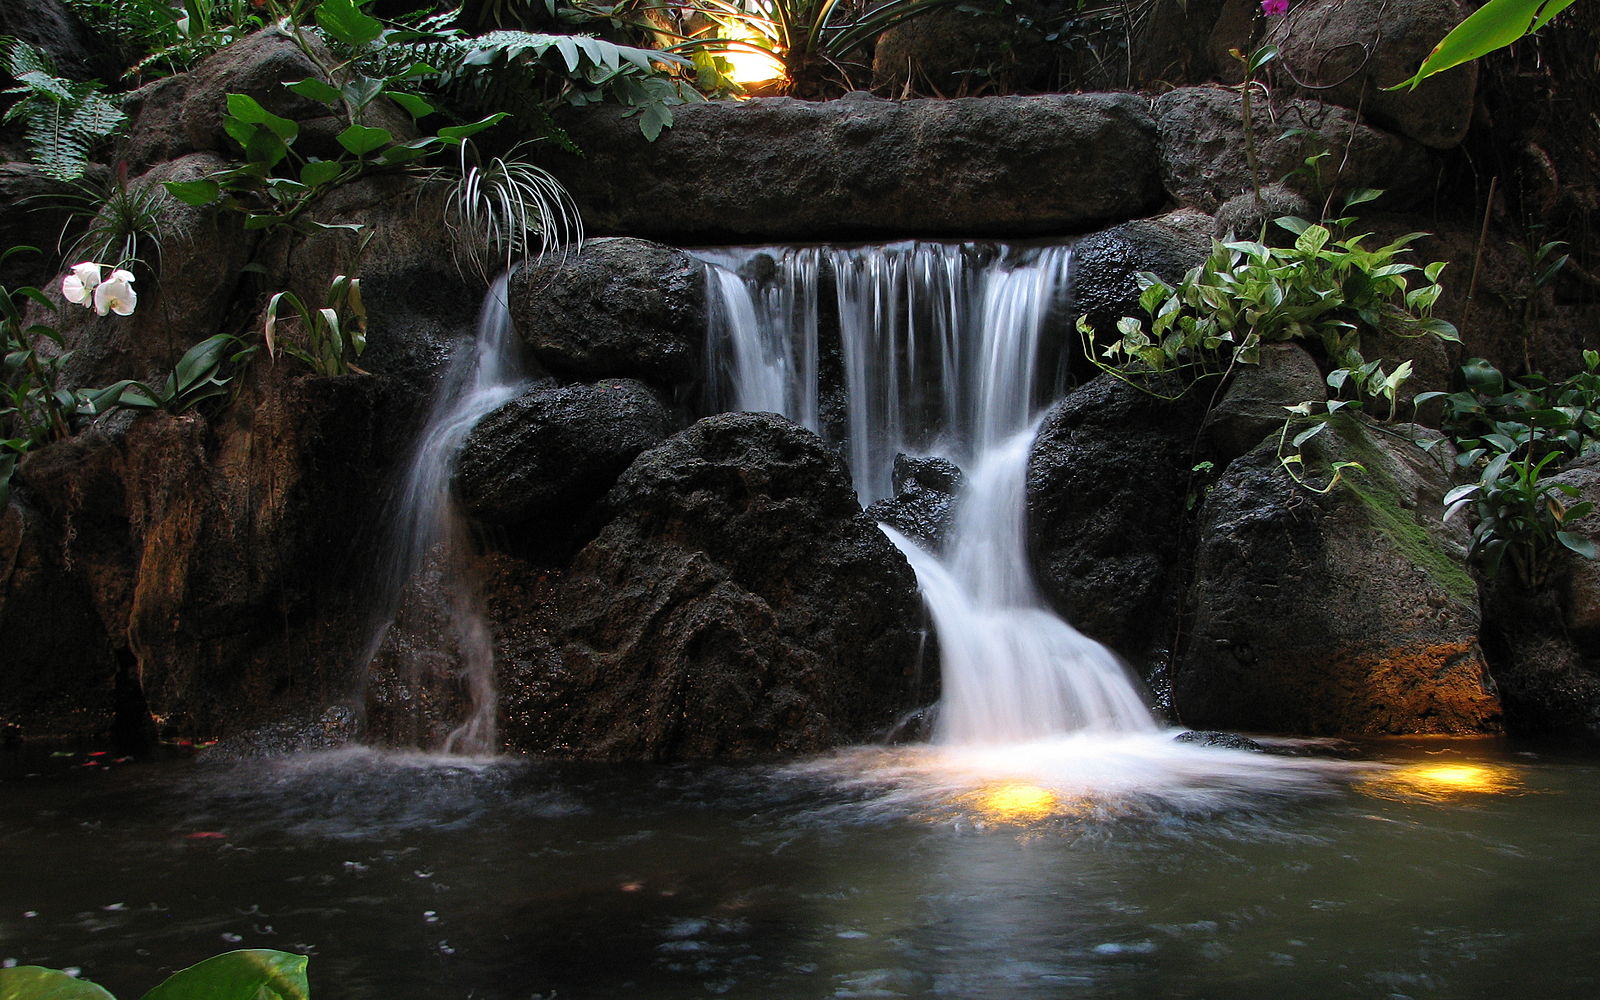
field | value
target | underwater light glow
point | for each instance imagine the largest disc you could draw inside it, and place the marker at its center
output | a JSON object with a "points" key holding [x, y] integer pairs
{"points": [[1015, 802], [1440, 782]]}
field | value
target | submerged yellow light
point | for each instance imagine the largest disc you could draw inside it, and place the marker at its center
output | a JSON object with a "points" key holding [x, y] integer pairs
{"points": [[1015, 802], [1440, 782]]}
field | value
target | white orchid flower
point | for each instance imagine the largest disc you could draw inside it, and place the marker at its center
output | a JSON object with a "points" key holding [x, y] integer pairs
{"points": [[79, 284], [116, 294]]}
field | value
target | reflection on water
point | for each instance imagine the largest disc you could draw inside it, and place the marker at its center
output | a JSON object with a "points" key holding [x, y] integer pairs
{"points": [[1144, 870]]}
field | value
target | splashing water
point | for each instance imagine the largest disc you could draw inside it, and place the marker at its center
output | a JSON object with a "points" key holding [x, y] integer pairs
{"points": [[430, 660]]}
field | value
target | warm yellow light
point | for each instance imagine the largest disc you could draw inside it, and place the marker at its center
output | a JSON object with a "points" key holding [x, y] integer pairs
{"points": [[748, 66], [1440, 782], [1016, 802]]}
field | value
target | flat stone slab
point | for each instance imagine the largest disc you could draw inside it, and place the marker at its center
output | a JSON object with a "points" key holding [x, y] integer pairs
{"points": [[864, 167]]}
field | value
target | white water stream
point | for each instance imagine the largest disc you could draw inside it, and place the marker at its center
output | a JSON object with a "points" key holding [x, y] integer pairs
{"points": [[943, 351], [432, 648]]}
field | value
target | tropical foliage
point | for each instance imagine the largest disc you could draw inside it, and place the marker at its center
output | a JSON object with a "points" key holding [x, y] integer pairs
{"points": [[1495, 25], [63, 119], [251, 974]]}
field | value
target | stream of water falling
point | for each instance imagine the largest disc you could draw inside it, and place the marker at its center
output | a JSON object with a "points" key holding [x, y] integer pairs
{"points": [[431, 654], [942, 349]]}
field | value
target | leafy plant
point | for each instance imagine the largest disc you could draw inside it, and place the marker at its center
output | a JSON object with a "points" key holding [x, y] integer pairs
{"points": [[162, 37], [62, 119], [1246, 294], [330, 336], [250, 974], [1495, 25], [121, 223], [196, 378], [500, 212], [1512, 436]]}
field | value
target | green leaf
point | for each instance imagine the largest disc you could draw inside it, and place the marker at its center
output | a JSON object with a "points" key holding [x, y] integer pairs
{"points": [[247, 109], [251, 974], [32, 982], [1578, 543], [1495, 25], [415, 106], [197, 193], [316, 89], [455, 133], [361, 140], [346, 22], [319, 172], [1312, 240]]}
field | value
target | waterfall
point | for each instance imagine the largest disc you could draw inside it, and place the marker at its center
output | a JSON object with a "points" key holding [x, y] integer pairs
{"points": [[941, 350], [430, 659]]}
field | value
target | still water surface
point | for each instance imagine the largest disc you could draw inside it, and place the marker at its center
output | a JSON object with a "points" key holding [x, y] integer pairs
{"points": [[1425, 870]]}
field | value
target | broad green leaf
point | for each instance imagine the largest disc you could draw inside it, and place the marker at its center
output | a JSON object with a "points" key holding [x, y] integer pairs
{"points": [[361, 140], [1578, 543], [197, 193], [455, 133], [251, 974], [415, 106], [319, 172], [345, 21], [316, 89], [32, 982], [1495, 25], [1312, 240], [247, 109]]}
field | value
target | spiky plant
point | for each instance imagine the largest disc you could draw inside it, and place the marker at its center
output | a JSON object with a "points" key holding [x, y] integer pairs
{"points": [[505, 210], [123, 224]]}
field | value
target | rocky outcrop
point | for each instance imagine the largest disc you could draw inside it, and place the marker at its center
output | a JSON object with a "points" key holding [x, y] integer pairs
{"points": [[781, 169], [55, 29], [1109, 546], [616, 308], [1349, 612], [954, 52], [1102, 277], [738, 604], [553, 452], [924, 503], [1203, 161], [1346, 52], [1253, 406]]}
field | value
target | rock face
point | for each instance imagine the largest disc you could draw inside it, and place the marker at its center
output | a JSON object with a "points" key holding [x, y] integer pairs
{"points": [[1252, 407], [1102, 275], [1347, 51], [617, 308], [924, 503], [1108, 483], [552, 452], [866, 167], [939, 51], [739, 603], [1344, 613], [1203, 162]]}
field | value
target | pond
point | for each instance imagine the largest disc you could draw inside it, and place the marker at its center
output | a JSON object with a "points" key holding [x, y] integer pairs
{"points": [[1121, 867]]}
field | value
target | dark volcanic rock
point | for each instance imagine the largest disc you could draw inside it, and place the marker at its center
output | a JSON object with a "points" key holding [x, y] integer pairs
{"points": [[924, 501], [1107, 487], [1347, 51], [55, 29], [781, 169], [739, 604], [1102, 277], [1349, 612], [1203, 161], [1253, 405], [618, 307], [553, 452]]}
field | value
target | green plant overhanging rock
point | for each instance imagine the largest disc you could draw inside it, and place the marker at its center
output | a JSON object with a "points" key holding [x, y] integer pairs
{"points": [[1495, 25]]}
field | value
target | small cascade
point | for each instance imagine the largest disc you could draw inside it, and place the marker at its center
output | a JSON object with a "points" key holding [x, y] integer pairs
{"points": [[430, 660], [941, 350]]}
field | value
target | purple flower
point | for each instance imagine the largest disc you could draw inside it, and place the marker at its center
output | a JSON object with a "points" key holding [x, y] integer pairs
{"points": [[1274, 8]]}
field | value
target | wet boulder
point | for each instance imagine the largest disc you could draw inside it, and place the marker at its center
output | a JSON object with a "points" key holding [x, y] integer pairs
{"points": [[924, 502], [616, 308], [738, 604], [1108, 485], [1102, 276], [554, 451], [1349, 612], [1253, 405]]}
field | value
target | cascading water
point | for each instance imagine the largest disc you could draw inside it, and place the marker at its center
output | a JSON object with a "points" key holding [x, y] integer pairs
{"points": [[430, 661], [942, 351]]}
